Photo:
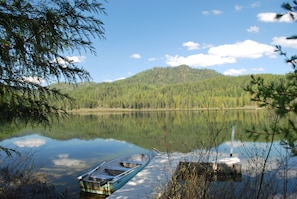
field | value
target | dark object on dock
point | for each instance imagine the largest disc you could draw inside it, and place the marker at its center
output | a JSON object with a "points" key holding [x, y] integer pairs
{"points": [[194, 179], [211, 171]]}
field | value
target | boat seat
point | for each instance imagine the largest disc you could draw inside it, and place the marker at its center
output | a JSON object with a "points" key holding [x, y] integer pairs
{"points": [[118, 168], [100, 177], [131, 163], [115, 170]]}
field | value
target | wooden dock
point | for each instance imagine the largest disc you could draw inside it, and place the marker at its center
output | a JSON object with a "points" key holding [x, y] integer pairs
{"points": [[151, 181]]}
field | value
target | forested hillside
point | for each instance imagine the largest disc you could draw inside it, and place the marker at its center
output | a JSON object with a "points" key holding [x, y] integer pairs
{"points": [[165, 88], [171, 75]]}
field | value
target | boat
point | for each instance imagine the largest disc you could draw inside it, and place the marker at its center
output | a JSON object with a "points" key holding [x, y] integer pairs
{"points": [[110, 176]]}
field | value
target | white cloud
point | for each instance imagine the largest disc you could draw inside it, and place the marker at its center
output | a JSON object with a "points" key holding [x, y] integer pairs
{"points": [[214, 12], [120, 78], [203, 60], [271, 17], [253, 29], [72, 59], [34, 80], [246, 49], [32, 142], [136, 56], [284, 42], [224, 54], [235, 71], [113, 80], [204, 46], [76, 59], [217, 12], [237, 7], [191, 45]]}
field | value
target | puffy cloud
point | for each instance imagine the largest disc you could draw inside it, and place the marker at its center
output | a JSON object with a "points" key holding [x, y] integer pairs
{"points": [[284, 42], [253, 29], [246, 49], [198, 60], [235, 71], [76, 59], [32, 142], [271, 17], [30, 79], [191, 45], [224, 54], [136, 56], [73, 59]]}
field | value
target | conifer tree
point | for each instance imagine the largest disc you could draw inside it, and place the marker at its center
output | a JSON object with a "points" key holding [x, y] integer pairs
{"points": [[35, 39]]}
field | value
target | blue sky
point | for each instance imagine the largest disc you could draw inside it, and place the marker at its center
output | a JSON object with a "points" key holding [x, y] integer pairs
{"points": [[232, 37]]}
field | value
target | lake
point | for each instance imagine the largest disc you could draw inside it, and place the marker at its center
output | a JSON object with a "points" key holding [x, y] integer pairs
{"points": [[78, 143]]}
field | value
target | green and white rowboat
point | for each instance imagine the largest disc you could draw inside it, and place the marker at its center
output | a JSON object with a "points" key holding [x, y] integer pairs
{"points": [[112, 175]]}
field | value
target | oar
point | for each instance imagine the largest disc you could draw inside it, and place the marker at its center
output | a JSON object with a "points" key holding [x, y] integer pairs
{"points": [[88, 173]]}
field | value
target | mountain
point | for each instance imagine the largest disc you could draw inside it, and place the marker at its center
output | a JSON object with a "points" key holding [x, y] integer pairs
{"points": [[165, 88], [171, 75]]}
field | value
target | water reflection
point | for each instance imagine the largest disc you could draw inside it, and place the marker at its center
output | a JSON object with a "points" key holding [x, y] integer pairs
{"points": [[30, 142], [63, 161], [79, 143]]}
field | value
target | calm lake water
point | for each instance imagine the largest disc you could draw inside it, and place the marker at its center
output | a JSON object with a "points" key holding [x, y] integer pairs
{"points": [[74, 145]]}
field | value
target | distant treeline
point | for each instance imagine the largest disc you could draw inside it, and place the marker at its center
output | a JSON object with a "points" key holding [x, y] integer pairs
{"points": [[165, 88]]}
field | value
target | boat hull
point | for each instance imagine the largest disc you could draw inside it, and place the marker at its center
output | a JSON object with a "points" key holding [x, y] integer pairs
{"points": [[96, 187]]}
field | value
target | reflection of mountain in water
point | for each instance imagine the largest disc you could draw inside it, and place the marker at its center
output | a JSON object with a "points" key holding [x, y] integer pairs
{"points": [[180, 131]]}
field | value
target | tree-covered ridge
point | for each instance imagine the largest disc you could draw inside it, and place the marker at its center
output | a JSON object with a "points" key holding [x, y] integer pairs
{"points": [[171, 75], [201, 89]]}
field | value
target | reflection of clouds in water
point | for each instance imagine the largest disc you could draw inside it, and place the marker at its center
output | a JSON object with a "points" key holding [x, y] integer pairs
{"points": [[113, 140], [32, 142], [64, 160]]}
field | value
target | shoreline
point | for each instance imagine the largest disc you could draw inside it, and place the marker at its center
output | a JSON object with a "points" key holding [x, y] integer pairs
{"points": [[121, 110]]}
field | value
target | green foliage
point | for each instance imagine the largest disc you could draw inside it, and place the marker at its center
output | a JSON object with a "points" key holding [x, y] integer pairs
{"points": [[170, 75], [198, 89], [279, 96], [34, 38]]}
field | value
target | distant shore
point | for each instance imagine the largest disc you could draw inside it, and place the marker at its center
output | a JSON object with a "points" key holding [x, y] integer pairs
{"points": [[120, 110]]}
